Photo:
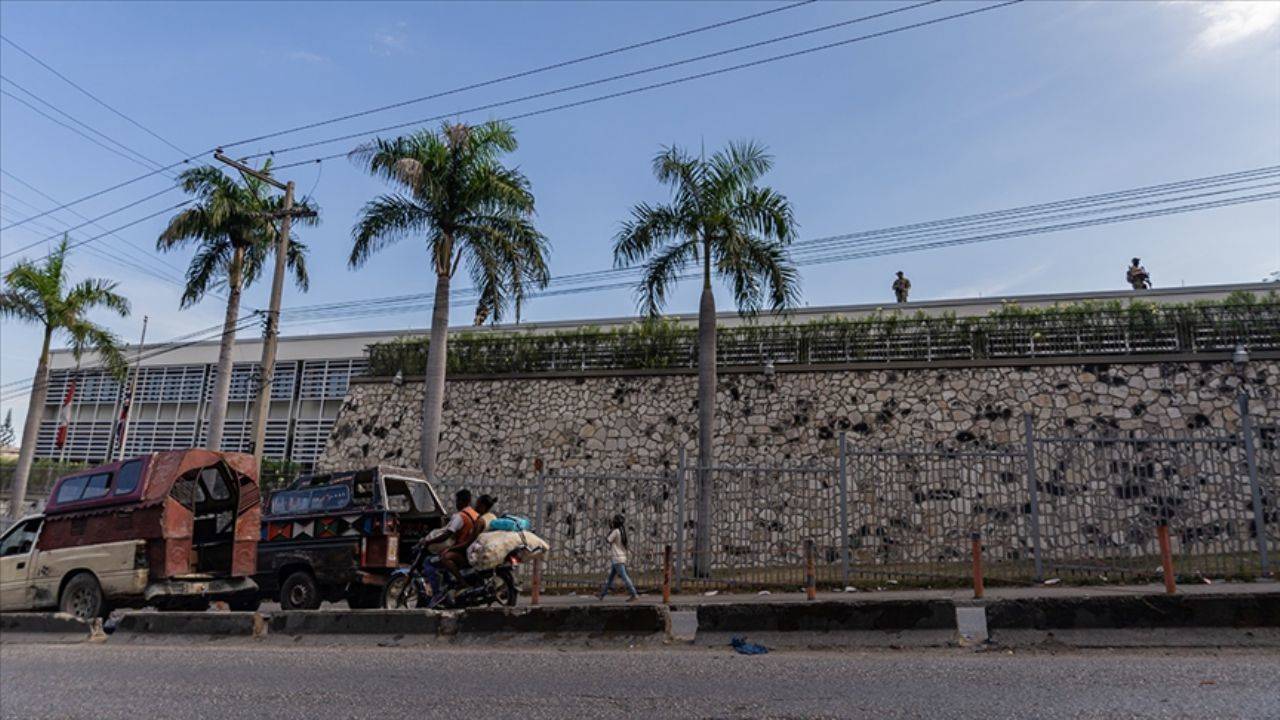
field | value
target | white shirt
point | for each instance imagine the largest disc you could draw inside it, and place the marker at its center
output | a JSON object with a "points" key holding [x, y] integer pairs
{"points": [[617, 553]]}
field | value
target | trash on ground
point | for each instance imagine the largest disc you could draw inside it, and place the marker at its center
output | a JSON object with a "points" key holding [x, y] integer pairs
{"points": [[850, 588], [764, 592], [711, 593], [1052, 581], [891, 582], [742, 647]]}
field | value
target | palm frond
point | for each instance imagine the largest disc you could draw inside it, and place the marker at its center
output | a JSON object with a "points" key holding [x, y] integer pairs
{"points": [[384, 221]]}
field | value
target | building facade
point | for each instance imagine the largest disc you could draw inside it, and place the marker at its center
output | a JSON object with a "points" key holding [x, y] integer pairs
{"points": [[313, 373]]}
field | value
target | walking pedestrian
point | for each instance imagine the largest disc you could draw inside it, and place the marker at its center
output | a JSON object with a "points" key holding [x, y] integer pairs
{"points": [[617, 541], [901, 287]]}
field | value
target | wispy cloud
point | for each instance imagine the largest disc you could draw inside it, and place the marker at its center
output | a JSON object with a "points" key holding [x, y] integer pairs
{"points": [[1005, 283], [391, 41], [1226, 23], [305, 56]]}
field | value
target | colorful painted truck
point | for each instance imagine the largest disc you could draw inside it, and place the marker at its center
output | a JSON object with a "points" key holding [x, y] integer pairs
{"points": [[172, 529], [339, 536]]}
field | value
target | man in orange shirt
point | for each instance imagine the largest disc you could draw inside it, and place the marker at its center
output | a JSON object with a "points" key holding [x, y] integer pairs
{"points": [[462, 529]]}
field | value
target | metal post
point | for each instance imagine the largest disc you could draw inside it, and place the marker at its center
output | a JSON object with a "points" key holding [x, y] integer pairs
{"points": [[977, 565], [1251, 458], [681, 485], [844, 511], [1166, 557], [666, 574], [1033, 490], [133, 390], [810, 570]]}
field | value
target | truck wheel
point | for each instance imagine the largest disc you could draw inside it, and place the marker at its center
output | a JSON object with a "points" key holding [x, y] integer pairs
{"points": [[299, 592], [82, 597]]}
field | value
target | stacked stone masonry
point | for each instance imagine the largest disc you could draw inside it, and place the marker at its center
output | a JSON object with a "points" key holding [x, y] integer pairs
{"points": [[616, 431]]}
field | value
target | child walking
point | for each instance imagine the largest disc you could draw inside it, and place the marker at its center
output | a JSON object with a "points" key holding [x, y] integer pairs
{"points": [[617, 540]]}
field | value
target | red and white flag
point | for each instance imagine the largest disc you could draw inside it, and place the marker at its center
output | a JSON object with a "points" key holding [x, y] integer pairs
{"points": [[64, 414]]}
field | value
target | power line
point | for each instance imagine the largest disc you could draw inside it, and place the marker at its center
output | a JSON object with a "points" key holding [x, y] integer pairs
{"points": [[604, 80], [104, 191], [188, 158], [883, 242], [91, 96], [148, 162], [655, 86], [196, 338], [521, 74], [91, 221], [76, 213], [75, 130]]}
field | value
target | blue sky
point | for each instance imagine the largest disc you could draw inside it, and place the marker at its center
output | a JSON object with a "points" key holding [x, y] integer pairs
{"points": [[1031, 103]]}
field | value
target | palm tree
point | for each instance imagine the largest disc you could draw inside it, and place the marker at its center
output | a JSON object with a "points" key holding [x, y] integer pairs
{"points": [[43, 294], [739, 231], [454, 194], [233, 228]]}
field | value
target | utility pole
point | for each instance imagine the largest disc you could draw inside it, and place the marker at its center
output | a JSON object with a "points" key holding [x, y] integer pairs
{"points": [[266, 371], [133, 390]]}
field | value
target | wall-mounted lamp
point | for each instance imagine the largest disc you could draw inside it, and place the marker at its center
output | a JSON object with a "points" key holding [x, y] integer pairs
{"points": [[769, 370], [398, 380]]}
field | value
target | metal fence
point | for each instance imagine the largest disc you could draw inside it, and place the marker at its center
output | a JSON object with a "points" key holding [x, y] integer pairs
{"points": [[1080, 508], [1048, 333]]}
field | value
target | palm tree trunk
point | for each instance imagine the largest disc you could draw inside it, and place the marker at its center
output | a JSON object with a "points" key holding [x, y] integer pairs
{"points": [[433, 383], [222, 375], [27, 452], [706, 417]]}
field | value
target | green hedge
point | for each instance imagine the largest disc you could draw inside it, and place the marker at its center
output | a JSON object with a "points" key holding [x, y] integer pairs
{"points": [[1086, 328]]}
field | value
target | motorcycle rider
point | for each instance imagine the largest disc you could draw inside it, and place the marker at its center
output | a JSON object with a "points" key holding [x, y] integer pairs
{"points": [[461, 530], [470, 524]]}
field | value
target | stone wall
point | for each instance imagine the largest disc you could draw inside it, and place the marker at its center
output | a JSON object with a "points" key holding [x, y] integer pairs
{"points": [[498, 426], [612, 442]]}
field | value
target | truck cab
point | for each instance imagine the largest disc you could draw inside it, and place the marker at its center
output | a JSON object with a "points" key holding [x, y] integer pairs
{"points": [[338, 536]]}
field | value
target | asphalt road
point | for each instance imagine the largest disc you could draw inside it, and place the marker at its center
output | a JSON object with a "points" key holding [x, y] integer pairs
{"points": [[262, 681]]}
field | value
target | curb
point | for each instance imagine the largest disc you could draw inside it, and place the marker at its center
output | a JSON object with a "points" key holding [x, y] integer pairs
{"points": [[1261, 610], [213, 625], [43, 627], [595, 621], [890, 616], [355, 622]]}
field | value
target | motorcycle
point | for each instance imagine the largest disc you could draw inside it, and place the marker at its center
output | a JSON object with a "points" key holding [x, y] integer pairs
{"points": [[408, 586]]}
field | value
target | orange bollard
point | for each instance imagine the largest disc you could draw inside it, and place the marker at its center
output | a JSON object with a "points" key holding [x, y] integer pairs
{"points": [[810, 574], [1166, 559], [536, 591], [666, 575], [978, 587]]}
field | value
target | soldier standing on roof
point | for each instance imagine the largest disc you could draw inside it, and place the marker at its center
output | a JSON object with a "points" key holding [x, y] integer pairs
{"points": [[1137, 276], [901, 287]]}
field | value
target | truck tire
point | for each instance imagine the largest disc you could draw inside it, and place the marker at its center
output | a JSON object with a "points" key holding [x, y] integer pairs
{"points": [[299, 591], [82, 597]]}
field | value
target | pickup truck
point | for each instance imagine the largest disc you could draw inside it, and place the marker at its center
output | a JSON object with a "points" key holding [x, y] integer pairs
{"points": [[338, 536]]}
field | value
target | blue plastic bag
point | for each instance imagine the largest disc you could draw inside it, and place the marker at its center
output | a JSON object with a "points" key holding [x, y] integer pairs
{"points": [[743, 647], [510, 523]]}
